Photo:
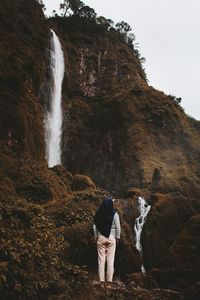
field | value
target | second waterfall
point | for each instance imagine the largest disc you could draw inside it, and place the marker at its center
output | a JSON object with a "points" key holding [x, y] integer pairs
{"points": [[53, 120], [144, 209]]}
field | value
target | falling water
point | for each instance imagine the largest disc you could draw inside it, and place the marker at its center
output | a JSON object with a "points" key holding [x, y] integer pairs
{"points": [[143, 208], [53, 122]]}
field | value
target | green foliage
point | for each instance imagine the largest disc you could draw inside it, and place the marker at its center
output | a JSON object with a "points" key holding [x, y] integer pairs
{"points": [[108, 23], [54, 13], [78, 8], [124, 30], [131, 38], [31, 251], [41, 4], [71, 5], [87, 12], [80, 208], [123, 27]]}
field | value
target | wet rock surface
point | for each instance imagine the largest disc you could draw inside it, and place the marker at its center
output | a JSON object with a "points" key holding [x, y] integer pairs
{"points": [[120, 135]]}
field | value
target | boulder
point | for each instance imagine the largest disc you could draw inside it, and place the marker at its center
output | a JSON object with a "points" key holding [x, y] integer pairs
{"points": [[82, 182]]}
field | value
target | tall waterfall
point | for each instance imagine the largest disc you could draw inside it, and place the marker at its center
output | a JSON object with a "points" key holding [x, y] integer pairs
{"points": [[53, 122], [143, 208]]}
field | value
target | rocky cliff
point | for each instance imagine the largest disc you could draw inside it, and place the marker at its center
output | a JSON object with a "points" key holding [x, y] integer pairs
{"points": [[117, 128], [124, 134]]}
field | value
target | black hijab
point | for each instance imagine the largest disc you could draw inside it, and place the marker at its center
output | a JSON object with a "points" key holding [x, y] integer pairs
{"points": [[104, 216]]}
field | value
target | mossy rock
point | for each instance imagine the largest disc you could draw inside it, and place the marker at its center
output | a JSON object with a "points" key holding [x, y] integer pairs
{"points": [[39, 184], [7, 188], [133, 192], [38, 190], [82, 250], [82, 182], [61, 172]]}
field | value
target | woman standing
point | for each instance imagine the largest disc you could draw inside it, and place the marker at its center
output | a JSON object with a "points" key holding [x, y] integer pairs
{"points": [[107, 230]]}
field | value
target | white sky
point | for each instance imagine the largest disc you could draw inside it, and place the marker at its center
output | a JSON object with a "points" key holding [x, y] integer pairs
{"points": [[168, 33]]}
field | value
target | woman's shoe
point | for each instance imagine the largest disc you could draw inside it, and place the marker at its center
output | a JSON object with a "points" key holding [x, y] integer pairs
{"points": [[109, 285]]}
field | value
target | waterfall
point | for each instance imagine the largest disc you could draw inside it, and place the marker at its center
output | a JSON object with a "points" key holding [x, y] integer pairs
{"points": [[143, 208], [53, 120]]}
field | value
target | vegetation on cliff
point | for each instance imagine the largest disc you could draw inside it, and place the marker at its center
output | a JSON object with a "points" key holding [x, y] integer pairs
{"points": [[118, 134]]}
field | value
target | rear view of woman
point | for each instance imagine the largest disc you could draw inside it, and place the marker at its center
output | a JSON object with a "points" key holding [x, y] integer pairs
{"points": [[107, 230]]}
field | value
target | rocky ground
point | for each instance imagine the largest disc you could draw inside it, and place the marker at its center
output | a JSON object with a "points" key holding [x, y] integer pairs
{"points": [[120, 135], [48, 251]]}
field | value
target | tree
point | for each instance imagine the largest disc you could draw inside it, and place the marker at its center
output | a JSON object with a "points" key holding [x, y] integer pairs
{"points": [[73, 5], [54, 13], [123, 27], [103, 21], [76, 6], [87, 12], [131, 39], [41, 4], [64, 7]]}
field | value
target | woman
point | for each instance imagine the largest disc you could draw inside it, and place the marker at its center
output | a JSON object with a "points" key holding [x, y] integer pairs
{"points": [[107, 230]]}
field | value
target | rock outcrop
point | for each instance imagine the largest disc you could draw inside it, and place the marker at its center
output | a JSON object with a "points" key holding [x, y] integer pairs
{"points": [[125, 137], [24, 58], [118, 129]]}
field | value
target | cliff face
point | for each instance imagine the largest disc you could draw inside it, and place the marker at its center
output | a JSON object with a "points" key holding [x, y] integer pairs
{"points": [[124, 134], [117, 128], [24, 38]]}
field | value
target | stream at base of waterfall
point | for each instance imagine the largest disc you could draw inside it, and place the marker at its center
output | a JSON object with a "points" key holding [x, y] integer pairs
{"points": [[144, 209]]}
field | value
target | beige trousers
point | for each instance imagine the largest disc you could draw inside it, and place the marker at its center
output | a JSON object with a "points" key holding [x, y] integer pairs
{"points": [[106, 253]]}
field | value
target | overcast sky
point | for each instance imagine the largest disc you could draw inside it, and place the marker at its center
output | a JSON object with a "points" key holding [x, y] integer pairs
{"points": [[168, 33]]}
